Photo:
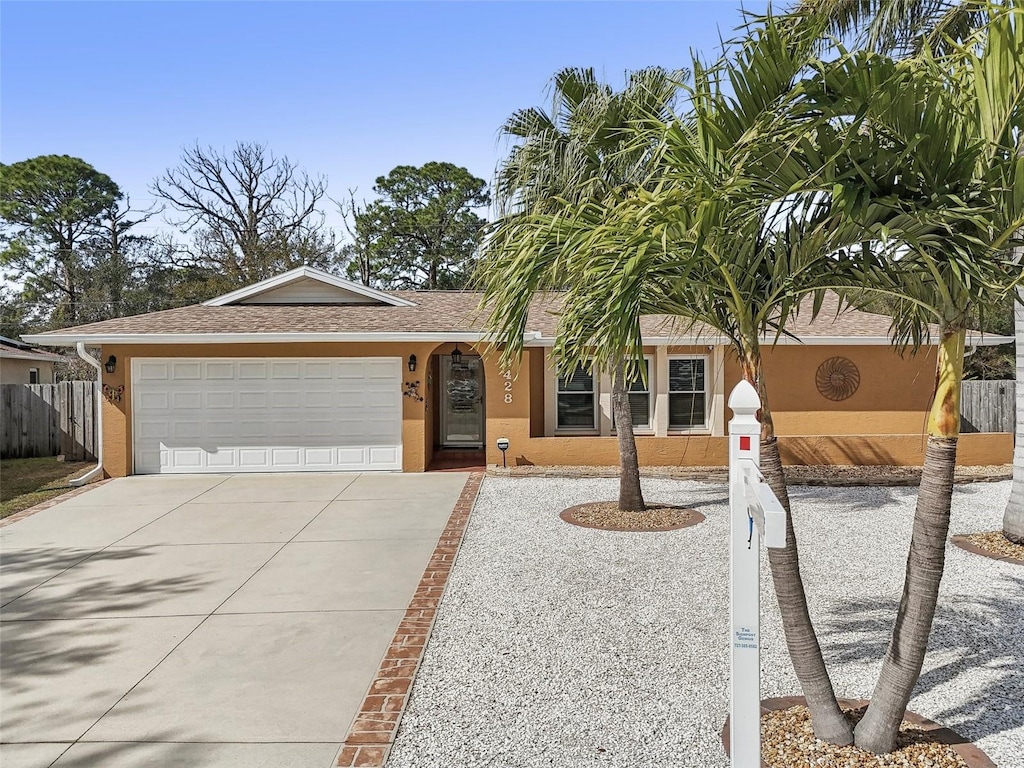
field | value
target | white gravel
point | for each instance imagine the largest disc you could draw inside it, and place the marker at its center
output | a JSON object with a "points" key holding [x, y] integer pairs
{"points": [[563, 646]]}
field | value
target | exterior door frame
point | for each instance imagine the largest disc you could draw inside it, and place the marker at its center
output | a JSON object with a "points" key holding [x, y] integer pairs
{"points": [[445, 374]]}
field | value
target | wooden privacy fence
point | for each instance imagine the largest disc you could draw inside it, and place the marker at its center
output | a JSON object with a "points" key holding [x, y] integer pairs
{"points": [[988, 406], [48, 420]]}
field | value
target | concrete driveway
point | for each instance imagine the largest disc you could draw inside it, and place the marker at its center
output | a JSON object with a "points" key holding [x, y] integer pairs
{"points": [[206, 620]]}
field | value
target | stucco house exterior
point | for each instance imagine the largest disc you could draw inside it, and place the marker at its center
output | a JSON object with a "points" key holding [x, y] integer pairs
{"points": [[310, 372], [20, 363]]}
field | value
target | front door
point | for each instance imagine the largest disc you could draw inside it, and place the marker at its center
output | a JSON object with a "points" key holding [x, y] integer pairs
{"points": [[462, 402]]}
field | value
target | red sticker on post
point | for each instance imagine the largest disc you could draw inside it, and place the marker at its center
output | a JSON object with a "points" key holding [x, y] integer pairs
{"points": [[744, 442]]}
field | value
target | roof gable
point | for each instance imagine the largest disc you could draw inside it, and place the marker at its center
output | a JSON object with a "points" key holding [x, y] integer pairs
{"points": [[307, 285]]}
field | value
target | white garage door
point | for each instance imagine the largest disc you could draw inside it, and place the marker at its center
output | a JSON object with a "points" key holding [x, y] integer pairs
{"points": [[266, 414]]}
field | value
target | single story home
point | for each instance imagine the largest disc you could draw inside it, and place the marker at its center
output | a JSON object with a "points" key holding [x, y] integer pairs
{"points": [[309, 372], [20, 363]]}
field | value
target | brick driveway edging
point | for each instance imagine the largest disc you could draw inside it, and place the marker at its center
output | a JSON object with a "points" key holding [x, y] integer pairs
{"points": [[29, 511], [373, 731]]}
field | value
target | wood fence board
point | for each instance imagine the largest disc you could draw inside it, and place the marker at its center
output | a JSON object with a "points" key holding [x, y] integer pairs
{"points": [[67, 445], [48, 419], [77, 406], [89, 423], [988, 406]]}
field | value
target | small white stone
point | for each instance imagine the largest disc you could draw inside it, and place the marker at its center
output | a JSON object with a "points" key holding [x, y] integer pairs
{"points": [[553, 640]]}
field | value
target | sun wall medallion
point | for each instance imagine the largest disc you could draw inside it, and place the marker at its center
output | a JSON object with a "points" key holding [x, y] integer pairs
{"points": [[837, 378]]}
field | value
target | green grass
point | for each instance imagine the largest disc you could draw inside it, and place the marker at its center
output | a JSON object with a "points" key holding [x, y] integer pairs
{"points": [[27, 482]]}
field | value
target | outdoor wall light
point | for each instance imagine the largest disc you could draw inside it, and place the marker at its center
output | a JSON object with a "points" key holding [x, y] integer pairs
{"points": [[412, 362], [111, 364], [456, 355]]}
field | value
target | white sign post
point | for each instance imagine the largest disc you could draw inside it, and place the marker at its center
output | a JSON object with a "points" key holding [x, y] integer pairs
{"points": [[755, 511]]}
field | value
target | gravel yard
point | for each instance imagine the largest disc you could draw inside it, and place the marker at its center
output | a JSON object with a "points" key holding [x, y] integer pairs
{"points": [[558, 645]]}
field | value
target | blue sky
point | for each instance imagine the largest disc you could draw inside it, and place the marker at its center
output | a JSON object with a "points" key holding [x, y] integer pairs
{"points": [[345, 89]]}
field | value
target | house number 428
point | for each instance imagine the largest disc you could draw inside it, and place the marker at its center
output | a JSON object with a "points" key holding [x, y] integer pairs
{"points": [[507, 377]]}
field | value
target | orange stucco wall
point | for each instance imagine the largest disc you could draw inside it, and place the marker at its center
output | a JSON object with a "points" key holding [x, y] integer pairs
{"points": [[882, 423], [893, 396]]}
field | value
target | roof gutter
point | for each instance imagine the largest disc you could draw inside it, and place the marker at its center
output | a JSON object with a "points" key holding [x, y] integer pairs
{"points": [[807, 341], [63, 340], [96, 471]]}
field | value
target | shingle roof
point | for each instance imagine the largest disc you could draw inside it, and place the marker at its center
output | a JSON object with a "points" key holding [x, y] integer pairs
{"points": [[435, 313], [16, 350]]}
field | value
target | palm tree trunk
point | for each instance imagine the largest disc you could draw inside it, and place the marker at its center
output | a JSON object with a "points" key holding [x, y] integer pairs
{"points": [[901, 667], [631, 498], [1013, 517], [827, 718]]}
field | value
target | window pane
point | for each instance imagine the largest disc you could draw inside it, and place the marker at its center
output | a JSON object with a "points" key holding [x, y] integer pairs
{"points": [[637, 385], [576, 411], [640, 409], [686, 375], [581, 381], [685, 410]]}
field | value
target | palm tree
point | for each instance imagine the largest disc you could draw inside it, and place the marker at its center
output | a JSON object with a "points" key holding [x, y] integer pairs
{"points": [[714, 242], [936, 153], [1013, 516], [908, 26], [741, 227], [576, 153]]}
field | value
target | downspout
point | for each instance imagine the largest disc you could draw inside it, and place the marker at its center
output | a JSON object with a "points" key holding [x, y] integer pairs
{"points": [[96, 471]]}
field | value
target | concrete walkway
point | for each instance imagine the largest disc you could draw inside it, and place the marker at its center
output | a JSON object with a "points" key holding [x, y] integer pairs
{"points": [[206, 620]]}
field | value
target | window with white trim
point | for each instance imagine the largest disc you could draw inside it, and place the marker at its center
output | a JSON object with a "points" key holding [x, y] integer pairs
{"points": [[640, 399], [576, 400], [687, 392], [33, 375]]}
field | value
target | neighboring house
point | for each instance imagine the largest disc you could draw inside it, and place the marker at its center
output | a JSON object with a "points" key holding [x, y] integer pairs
{"points": [[21, 363], [307, 371]]}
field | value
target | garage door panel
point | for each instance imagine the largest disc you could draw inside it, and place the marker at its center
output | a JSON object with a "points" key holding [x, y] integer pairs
{"points": [[254, 458], [285, 370], [186, 400], [250, 429], [219, 400], [252, 400], [252, 370], [219, 370], [383, 454], [186, 458], [154, 401], [148, 370], [220, 430], [186, 371], [186, 430], [314, 399], [319, 370], [153, 429], [246, 415], [321, 458], [378, 401]]}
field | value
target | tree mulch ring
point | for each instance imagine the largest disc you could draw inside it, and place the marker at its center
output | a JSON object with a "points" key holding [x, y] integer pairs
{"points": [[991, 544], [788, 741], [606, 516]]}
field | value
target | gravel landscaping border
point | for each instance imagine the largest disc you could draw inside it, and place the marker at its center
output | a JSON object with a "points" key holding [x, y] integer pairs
{"points": [[556, 645], [965, 543], [798, 474]]}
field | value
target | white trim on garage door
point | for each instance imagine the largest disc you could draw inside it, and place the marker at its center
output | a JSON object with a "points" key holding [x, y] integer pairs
{"points": [[266, 414]]}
